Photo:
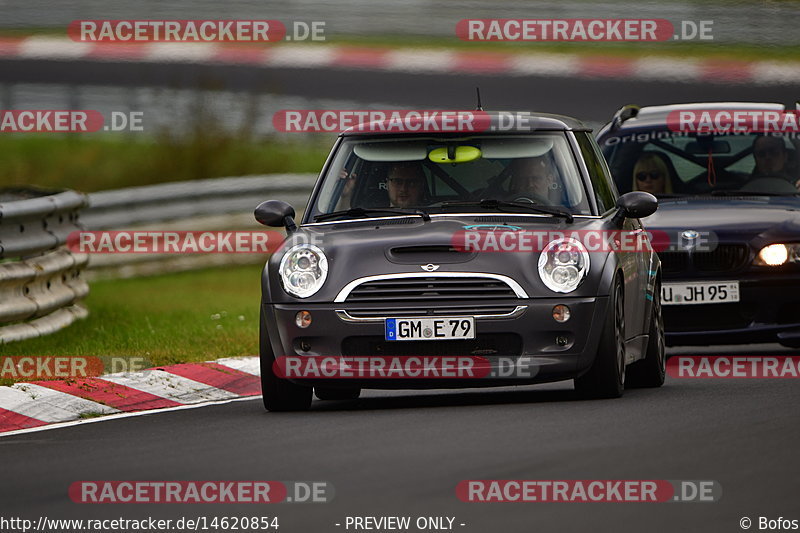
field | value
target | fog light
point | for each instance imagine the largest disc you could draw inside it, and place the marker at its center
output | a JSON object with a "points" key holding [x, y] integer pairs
{"points": [[561, 313], [302, 319], [561, 340]]}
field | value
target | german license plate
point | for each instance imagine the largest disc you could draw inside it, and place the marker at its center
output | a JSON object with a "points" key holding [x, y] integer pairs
{"points": [[430, 329], [713, 292]]}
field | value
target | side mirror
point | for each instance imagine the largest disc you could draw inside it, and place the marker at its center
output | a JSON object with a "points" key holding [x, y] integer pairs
{"points": [[276, 214], [636, 204]]}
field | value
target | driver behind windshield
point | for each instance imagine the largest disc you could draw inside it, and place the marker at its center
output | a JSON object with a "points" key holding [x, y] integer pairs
{"points": [[532, 178], [405, 184], [771, 157]]}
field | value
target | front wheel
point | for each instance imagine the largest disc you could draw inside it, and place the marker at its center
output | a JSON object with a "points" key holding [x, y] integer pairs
{"points": [[279, 394], [650, 371], [606, 376]]}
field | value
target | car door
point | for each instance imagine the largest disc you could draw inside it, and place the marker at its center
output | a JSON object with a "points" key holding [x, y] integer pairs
{"points": [[635, 264]]}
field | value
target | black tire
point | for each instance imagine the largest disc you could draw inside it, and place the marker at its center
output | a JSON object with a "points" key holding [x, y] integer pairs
{"points": [[606, 376], [332, 393], [278, 394], [650, 371]]}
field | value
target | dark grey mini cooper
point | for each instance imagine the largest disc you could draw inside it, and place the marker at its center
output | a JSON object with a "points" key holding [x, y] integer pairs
{"points": [[501, 252]]}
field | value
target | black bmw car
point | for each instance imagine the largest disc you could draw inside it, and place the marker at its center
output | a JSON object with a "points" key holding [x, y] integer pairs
{"points": [[384, 265], [726, 176]]}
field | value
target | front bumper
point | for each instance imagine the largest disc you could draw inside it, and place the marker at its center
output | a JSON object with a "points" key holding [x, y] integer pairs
{"points": [[768, 311], [541, 348]]}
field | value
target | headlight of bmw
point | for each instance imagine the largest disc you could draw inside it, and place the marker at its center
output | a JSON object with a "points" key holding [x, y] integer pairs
{"points": [[778, 254], [303, 270], [563, 265]]}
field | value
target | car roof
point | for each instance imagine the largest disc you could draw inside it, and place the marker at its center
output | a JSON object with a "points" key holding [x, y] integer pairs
{"points": [[532, 121], [650, 116]]}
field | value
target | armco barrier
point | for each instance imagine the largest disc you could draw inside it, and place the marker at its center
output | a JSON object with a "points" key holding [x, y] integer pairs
{"points": [[40, 280], [123, 208], [212, 204]]}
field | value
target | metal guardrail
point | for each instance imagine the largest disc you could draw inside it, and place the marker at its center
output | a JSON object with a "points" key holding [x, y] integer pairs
{"points": [[40, 280], [213, 204], [122, 208]]}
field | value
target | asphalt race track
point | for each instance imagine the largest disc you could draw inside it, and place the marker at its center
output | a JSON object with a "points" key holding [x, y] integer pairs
{"points": [[402, 453], [591, 99]]}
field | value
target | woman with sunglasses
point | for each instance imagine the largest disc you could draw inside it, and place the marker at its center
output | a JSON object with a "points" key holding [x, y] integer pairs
{"points": [[650, 174]]}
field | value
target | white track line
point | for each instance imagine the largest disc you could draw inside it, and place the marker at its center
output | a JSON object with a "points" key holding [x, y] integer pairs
{"points": [[248, 365], [123, 415], [53, 48], [301, 56], [546, 65], [773, 72], [435, 61], [660, 68], [180, 52]]}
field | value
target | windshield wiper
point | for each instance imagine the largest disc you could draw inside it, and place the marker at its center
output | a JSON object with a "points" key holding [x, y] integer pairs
{"points": [[501, 205], [363, 212], [745, 192]]}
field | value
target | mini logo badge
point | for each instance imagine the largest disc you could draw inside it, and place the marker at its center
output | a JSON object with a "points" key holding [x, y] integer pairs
{"points": [[690, 234], [430, 267]]}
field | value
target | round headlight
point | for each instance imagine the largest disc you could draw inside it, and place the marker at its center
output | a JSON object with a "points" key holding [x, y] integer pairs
{"points": [[563, 264], [303, 270], [774, 254]]}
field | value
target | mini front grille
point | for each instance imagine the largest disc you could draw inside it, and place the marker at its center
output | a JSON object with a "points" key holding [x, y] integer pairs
{"points": [[431, 288]]}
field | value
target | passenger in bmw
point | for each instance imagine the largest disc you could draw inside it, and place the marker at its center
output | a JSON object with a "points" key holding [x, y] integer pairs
{"points": [[650, 174]]}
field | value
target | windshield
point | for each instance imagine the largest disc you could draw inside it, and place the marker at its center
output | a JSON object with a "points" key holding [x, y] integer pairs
{"points": [[429, 174], [668, 163]]}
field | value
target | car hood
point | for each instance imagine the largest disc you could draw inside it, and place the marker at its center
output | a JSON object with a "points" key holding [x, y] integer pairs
{"points": [[387, 246], [754, 220]]}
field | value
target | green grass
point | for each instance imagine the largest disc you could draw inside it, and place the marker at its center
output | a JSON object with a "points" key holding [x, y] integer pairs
{"points": [[174, 318], [109, 162]]}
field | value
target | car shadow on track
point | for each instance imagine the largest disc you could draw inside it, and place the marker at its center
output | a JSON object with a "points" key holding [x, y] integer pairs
{"points": [[401, 399]]}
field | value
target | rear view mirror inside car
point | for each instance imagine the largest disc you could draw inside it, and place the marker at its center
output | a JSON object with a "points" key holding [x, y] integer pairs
{"points": [[392, 151], [454, 154], [705, 146]]}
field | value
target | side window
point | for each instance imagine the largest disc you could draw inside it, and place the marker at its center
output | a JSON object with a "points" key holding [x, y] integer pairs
{"points": [[598, 172]]}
